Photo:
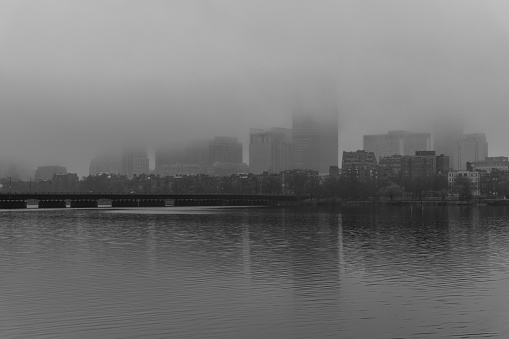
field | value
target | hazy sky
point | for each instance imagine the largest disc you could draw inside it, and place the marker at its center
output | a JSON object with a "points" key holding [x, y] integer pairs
{"points": [[79, 76]]}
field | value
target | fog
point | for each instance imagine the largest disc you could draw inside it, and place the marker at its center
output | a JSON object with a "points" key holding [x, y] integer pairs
{"points": [[80, 77]]}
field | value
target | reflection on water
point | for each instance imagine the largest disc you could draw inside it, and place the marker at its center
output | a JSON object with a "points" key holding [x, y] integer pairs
{"points": [[358, 272]]}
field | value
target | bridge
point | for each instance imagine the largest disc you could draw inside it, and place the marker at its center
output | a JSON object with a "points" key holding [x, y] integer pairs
{"points": [[90, 200]]}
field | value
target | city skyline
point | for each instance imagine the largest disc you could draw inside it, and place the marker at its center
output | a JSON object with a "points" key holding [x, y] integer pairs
{"points": [[72, 89], [470, 147]]}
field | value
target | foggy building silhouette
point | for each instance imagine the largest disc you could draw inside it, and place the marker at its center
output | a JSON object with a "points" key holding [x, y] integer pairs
{"points": [[471, 148], [225, 150], [135, 162], [315, 140], [47, 172], [270, 151], [446, 134], [104, 163], [397, 143], [213, 157]]}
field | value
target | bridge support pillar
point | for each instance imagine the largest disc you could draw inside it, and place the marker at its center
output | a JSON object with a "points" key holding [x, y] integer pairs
{"points": [[52, 204], [86, 203], [152, 203], [125, 203]]}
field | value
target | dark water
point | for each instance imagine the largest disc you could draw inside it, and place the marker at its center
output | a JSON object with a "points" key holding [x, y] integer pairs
{"points": [[255, 273]]}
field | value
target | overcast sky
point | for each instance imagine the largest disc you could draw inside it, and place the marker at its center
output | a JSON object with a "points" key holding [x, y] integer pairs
{"points": [[79, 76]]}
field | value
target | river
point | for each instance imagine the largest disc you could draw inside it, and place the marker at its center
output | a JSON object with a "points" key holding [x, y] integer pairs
{"points": [[196, 272]]}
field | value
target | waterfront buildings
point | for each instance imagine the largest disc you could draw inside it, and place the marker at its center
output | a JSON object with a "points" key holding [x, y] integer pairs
{"points": [[473, 176], [315, 140], [422, 164], [270, 150], [489, 164], [397, 143], [359, 165], [471, 148]]}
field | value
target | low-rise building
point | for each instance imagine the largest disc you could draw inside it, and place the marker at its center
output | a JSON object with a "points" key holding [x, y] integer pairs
{"points": [[473, 176], [359, 166], [489, 164], [47, 172]]}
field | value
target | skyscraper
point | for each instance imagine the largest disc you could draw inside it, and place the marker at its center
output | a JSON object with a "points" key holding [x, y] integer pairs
{"points": [[315, 140], [446, 134], [135, 162], [270, 151], [397, 143], [471, 147]]}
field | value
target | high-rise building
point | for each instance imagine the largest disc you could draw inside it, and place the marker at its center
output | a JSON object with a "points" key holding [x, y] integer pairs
{"points": [[270, 151], [225, 150], [397, 143], [135, 162], [197, 153], [446, 134], [315, 140], [471, 148]]}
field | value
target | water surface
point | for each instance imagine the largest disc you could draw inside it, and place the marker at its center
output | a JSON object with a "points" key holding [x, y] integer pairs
{"points": [[357, 272]]}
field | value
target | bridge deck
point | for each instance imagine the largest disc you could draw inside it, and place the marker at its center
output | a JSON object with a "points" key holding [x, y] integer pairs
{"points": [[136, 196]]}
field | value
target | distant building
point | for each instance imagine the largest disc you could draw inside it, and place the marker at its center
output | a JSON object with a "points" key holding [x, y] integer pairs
{"points": [[105, 163], [135, 162], [223, 169], [65, 182], [225, 149], [195, 154], [270, 151], [184, 169], [471, 148], [489, 164], [360, 165], [315, 140], [47, 172], [221, 155], [397, 143], [391, 165], [443, 163], [447, 131], [422, 164]]}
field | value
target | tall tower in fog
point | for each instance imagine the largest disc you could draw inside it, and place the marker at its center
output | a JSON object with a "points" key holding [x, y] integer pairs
{"points": [[397, 142], [135, 162], [315, 140], [270, 151], [471, 147], [446, 134]]}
